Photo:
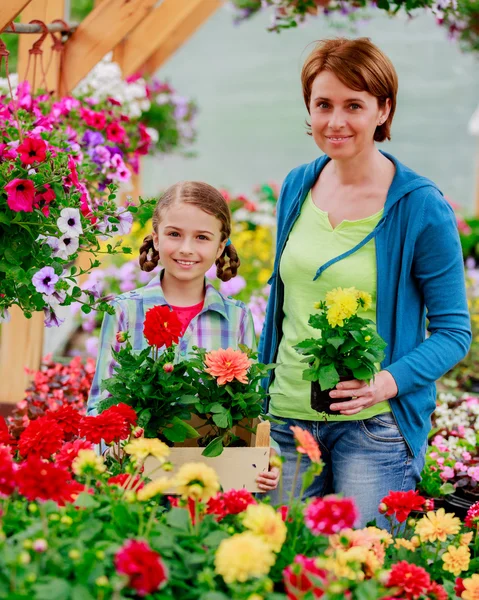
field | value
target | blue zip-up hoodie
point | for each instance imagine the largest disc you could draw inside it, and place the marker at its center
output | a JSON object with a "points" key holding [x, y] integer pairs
{"points": [[419, 268]]}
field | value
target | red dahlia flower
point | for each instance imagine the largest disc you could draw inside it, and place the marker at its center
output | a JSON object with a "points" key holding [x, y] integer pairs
{"points": [[124, 411], [5, 438], [412, 581], [437, 592], [109, 427], [401, 504], [42, 437], [472, 517], [328, 515], [68, 418], [122, 478], [459, 586], [144, 567], [7, 472], [232, 502], [41, 480], [303, 576], [162, 327], [20, 195], [32, 150]]}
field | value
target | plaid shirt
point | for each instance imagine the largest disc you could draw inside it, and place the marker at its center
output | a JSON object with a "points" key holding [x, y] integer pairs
{"points": [[222, 323]]}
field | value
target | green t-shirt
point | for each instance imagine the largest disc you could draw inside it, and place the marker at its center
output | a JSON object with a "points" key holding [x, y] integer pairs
{"points": [[312, 243]]}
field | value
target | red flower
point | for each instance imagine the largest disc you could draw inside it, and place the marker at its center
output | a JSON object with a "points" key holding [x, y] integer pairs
{"points": [[328, 515], [7, 472], [143, 566], [303, 576], [162, 326], [70, 492], [42, 437], [124, 411], [459, 587], [69, 452], [20, 195], [412, 581], [110, 427], [472, 517], [93, 119], [32, 150], [122, 478], [437, 592], [115, 133], [401, 504], [284, 511], [5, 438], [68, 418], [41, 480], [232, 502]]}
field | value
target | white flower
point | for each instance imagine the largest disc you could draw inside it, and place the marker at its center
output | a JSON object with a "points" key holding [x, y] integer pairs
{"points": [[69, 222], [126, 221], [67, 245]]}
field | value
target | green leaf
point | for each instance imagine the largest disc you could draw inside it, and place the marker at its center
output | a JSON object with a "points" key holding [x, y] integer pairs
{"points": [[214, 448], [362, 373], [187, 399], [328, 377], [189, 430], [80, 592], [335, 341], [213, 539], [310, 375], [178, 518], [85, 500], [52, 587], [222, 420], [352, 363], [447, 488]]}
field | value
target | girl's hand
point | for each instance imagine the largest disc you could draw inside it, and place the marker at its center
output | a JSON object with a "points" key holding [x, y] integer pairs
{"points": [[382, 387], [268, 480]]}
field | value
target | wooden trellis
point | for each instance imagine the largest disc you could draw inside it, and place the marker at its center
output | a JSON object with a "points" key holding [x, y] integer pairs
{"points": [[142, 34]]}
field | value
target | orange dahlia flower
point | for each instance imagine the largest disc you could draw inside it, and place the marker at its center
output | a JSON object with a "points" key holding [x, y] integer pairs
{"points": [[306, 444], [227, 365]]}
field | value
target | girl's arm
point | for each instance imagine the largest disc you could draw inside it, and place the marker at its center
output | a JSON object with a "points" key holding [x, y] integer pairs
{"points": [[112, 324]]}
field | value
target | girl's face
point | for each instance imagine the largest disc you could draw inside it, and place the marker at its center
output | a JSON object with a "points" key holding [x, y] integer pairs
{"points": [[343, 121], [188, 241]]}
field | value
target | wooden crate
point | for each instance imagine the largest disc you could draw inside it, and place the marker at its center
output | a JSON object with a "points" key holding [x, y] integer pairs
{"points": [[237, 468]]}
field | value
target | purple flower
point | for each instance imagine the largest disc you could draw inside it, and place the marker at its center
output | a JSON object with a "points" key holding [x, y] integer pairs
{"points": [[126, 221], [92, 138], [51, 319], [91, 346], [44, 280], [114, 150], [50, 241], [211, 272], [233, 286], [100, 155]]}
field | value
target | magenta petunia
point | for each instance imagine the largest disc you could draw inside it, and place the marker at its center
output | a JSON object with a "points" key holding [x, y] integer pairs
{"points": [[20, 195]]}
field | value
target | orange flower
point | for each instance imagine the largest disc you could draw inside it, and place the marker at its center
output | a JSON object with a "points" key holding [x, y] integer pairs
{"points": [[227, 365], [306, 444]]}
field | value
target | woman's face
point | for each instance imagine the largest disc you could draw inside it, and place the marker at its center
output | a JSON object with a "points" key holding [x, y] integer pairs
{"points": [[343, 121]]}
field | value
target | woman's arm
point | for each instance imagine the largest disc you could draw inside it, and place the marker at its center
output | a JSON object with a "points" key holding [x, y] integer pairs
{"points": [[112, 324]]}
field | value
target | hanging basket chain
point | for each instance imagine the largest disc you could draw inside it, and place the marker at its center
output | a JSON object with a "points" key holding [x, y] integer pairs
{"points": [[37, 53], [58, 44]]}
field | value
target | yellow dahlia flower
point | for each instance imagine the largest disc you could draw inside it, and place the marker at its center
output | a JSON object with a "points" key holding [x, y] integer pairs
{"points": [[140, 448], [364, 300], [88, 462], [153, 488], [437, 526], [466, 538], [456, 560], [242, 557], [408, 544], [264, 521], [197, 481], [472, 588], [346, 564], [342, 304]]}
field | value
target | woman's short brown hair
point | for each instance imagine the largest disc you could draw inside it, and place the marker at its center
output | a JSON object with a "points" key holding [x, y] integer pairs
{"points": [[361, 66]]}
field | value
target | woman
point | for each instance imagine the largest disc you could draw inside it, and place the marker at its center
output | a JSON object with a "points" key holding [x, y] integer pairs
{"points": [[358, 217]]}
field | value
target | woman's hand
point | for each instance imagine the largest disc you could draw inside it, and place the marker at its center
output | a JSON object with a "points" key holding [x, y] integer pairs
{"points": [[268, 480], [382, 387]]}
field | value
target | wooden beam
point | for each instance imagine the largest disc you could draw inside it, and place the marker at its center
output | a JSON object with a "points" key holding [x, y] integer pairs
{"points": [[46, 11], [103, 29], [9, 11], [178, 33]]}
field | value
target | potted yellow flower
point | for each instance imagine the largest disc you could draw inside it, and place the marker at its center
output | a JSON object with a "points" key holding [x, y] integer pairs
{"points": [[348, 346]]}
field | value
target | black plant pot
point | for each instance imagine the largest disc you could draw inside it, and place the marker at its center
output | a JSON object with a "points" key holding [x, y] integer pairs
{"points": [[459, 503], [321, 400]]}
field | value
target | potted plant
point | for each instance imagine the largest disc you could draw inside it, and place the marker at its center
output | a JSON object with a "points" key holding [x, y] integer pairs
{"points": [[348, 346]]}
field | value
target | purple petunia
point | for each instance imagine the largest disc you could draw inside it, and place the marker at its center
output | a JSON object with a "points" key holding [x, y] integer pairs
{"points": [[92, 138], [51, 319], [44, 280]]}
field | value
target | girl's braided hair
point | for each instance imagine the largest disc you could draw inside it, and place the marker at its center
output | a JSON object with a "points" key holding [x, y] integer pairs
{"points": [[208, 199]]}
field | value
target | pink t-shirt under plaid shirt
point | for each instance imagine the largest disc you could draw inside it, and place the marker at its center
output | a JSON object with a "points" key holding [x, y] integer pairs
{"points": [[187, 313]]}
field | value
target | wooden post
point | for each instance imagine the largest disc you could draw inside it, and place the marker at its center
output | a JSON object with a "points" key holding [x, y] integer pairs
{"points": [[9, 10], [103, 29], [21, 342], [166, 28], [184, 29]]}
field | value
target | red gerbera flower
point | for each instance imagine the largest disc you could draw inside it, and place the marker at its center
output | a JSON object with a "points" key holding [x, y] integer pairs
{"points": [[124, 411], [42, 437], [32, 150], [41, 480], [69, 452], [412, 581], [144, 567], [110, 427], [401, 504], [162, 326], [304, 576], [328, 515], [68, 418], [7, 472]]}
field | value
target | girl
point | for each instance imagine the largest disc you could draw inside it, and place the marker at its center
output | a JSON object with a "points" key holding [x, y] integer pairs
{"points": [[191, 229]]}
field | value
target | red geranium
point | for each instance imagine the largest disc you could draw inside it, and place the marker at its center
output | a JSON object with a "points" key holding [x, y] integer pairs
{"points": [[401, 504], [42, 437], [32, 150], [472, 517], [303, 576], [124, 411], [69, 452], [162, 327], [412, 581], [68, 418], [328, 515], [144, 567], [7, 472], [41, 480], [122, 478], [108, 426]]}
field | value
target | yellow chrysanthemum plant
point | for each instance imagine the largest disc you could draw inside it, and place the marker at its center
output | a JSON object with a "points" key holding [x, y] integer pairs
{"points": [[346, 347]]}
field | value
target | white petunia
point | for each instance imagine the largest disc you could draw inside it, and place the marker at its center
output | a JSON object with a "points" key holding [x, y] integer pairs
{"points": [[69, 222], [67, 245]]}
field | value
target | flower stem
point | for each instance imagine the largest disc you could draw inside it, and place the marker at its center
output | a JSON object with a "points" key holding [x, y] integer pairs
{"points": [[295, 480]]}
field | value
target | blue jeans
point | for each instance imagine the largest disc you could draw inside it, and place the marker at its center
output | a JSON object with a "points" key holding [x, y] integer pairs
{"points": [[363, 460]]}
